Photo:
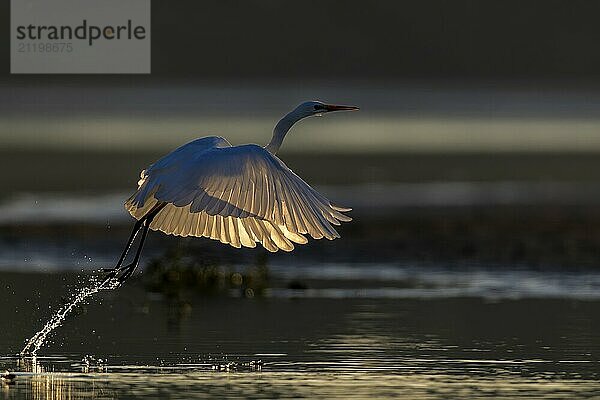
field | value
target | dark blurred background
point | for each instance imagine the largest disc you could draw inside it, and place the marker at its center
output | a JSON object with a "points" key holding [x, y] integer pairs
{"points": [[477, 140], [382, 41]]}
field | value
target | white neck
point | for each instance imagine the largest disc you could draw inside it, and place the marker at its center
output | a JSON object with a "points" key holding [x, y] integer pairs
{"points": [[281, 129]]}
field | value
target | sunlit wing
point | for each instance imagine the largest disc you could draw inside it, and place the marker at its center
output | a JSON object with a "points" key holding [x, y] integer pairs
{"points": [[238, 195]]}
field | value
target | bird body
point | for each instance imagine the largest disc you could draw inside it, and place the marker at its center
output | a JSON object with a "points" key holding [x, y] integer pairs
{"points": [[239, 195]]}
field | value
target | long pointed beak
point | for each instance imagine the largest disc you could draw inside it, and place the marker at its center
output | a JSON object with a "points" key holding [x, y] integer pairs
{"points": [[333, 107]]}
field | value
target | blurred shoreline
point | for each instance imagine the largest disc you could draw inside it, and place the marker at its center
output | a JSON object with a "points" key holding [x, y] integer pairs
{"points": [[419, 117]]}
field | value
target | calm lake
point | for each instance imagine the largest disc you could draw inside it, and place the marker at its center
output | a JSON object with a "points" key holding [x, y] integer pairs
{"points": [[313, 330]]}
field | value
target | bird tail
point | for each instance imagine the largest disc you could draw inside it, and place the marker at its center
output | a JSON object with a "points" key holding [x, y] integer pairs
{"points": [[142, 201]]}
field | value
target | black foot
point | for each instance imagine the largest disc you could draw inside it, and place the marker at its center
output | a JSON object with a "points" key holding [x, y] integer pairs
{"points": [[122, 273], [110, 275], [128, 271]]}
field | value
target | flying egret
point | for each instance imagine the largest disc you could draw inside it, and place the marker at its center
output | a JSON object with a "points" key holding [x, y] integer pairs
{"points": [[239, 195]]}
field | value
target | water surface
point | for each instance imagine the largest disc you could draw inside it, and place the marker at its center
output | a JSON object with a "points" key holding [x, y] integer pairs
{"points": [[430, 337]]}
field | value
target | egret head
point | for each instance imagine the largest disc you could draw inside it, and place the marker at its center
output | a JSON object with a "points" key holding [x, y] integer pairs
{"points": [[306, 109], [310, 108]]}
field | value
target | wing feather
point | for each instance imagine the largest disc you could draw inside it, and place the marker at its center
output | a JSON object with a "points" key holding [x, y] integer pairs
{"points": [[191, 224], [216, 234], [226, 234], [234, 233], [210, 223], [199, 202], [201, 226], [266, 239], [297, 206], [244, 236], [169, 218], [158, 220], [176, 219]]}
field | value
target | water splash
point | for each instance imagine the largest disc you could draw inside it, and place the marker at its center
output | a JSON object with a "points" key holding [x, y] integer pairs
{"points": [[37, 341]]}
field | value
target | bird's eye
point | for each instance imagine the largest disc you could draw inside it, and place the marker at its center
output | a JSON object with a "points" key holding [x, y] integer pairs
{"points": [[318, 107]]}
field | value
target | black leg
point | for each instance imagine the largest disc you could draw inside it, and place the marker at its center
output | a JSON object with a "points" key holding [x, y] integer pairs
{"points": [[130, 269], [134, 232], [144, 225]]}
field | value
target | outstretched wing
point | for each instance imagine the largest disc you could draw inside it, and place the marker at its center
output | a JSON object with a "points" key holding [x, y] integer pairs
{"points": [[239, 195]]}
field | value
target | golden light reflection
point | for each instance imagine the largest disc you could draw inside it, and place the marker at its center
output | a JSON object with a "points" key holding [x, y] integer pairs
{"points": [[41, 382]]}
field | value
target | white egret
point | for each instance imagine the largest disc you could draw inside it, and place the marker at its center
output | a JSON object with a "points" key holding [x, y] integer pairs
{"points": [[239, 195]]}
